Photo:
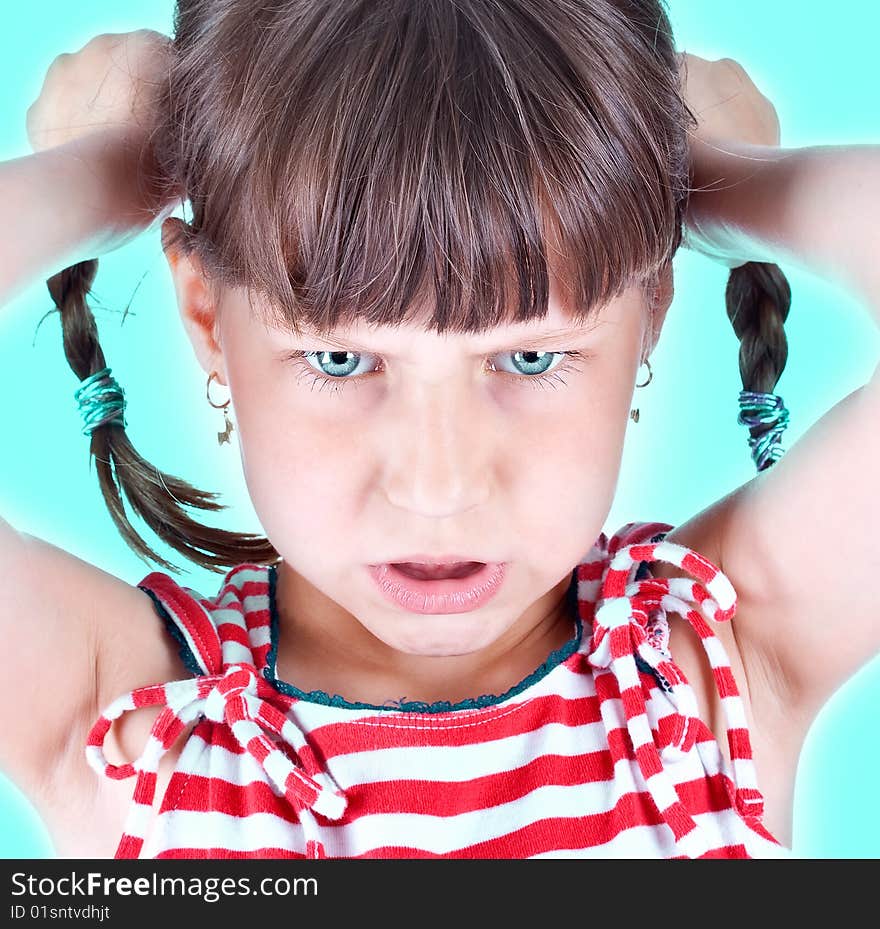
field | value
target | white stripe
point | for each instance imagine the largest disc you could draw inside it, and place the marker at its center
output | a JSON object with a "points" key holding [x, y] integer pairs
{"points": [[662, 791], [277, 766], [96, 759], [137, 819], [735, 712], [745, 773], [255, 603], [696, 842], [249, 574], [236, 653], [465, 762], [640, 731], [626, 671], [722, 590], [229, 614], [216, 761], [715, 650], [259, 635], [635, 842], [119, 706], [614, 612], [589, 590], [153, 748], [190, 829]]}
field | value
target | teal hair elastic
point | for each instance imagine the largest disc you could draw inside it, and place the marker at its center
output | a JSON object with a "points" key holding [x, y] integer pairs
{"points": [[757, 408], [101, 401]]}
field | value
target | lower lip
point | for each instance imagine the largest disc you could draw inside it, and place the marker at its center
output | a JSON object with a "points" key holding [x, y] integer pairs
{"points": [[449, 595]]}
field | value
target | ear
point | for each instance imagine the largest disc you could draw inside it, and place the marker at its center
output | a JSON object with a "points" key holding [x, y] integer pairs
{"points": [[198, 311], [661, 298]]}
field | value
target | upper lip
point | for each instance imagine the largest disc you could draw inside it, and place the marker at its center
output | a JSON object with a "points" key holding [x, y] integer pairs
{"points": [[436, 559]]}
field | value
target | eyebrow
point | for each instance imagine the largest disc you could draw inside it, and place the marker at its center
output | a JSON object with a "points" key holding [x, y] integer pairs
{"points": [[525, 342]]}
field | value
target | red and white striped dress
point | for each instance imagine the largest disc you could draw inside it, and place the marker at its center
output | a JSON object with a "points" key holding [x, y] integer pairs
{"points": [[599, 752]]}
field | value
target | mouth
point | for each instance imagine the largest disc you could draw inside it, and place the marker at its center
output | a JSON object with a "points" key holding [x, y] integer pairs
{"points": [[437, 572], [444, 587]]}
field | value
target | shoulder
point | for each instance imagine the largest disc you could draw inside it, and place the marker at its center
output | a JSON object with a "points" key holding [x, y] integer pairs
{"points": [[177, 631], [775, 739]]}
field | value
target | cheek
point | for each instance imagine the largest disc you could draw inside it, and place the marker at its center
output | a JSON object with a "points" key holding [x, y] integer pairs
{"points": [[298, 474], [565, 485]]}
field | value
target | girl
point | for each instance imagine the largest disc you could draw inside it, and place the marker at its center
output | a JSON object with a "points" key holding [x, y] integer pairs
{"points": [[429, 255]]}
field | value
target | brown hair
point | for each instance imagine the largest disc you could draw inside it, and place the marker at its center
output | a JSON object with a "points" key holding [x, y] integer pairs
{"points": [[344, 157]]}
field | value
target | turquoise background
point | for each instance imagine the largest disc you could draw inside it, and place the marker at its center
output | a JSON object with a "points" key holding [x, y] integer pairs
{"points": [[814, 61]]}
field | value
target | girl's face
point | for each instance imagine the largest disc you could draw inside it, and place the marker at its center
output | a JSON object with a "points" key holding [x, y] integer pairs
{"points": [[397, 442]]}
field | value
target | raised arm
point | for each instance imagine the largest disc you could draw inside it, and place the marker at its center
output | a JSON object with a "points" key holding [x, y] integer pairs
{"points": [[800, 541], [72, 199]]}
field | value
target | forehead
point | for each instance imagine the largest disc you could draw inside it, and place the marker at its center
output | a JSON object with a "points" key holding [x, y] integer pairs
{"points": [[558, 325]]}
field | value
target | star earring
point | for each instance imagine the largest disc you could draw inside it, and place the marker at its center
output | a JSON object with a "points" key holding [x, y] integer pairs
{"points": [[221, 436]]}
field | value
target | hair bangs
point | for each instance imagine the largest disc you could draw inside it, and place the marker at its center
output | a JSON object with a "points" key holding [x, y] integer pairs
{"points": [[394, 161]]}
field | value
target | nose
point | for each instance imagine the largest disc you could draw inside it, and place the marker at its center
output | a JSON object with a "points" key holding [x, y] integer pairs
{"points": [[437, 452]]}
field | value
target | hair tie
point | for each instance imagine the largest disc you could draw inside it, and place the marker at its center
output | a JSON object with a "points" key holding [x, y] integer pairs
{"points": [[101, 401], [759, 408]]}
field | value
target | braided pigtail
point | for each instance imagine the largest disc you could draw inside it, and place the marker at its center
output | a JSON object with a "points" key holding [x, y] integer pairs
{"points": [[158, 498], [758, 299]]}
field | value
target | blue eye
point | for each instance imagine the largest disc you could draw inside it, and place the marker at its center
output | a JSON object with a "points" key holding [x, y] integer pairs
{"points": [[533, 362], [337, 369], [335, 364]]}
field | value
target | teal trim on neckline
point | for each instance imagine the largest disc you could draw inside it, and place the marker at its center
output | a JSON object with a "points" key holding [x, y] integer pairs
{"points": [[555, 658]]}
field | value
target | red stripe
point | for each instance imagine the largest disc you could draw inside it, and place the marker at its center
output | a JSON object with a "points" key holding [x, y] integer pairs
{"points": [[119, 772], [728, 851], [145, 788], [648, 760], [198, 793], [740, 746], [698, 567], [232, 631], [99, 731], [260, 653], [590, 571], [225, 853], [175, 727], [149, 695], [258, 748], [726, 681], [129, 847], [408, 730]]}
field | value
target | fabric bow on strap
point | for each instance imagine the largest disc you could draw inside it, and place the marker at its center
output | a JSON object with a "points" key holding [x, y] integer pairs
{"points": [[621, 640], [238, 698]]}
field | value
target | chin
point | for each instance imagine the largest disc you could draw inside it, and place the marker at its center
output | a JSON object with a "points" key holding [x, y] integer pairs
{"points": [[423, 638]]}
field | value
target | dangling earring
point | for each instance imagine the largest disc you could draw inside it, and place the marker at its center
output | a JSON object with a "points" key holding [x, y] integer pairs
{"points": [[221, 436], [634, 413]]}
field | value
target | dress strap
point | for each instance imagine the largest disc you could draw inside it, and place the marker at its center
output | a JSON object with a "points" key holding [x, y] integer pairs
{"points": [[241, 700], [622, 617], [221, 641], [183, 612]]}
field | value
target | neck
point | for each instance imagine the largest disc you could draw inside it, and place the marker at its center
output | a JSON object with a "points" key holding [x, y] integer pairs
{"points": [[323, 647]]}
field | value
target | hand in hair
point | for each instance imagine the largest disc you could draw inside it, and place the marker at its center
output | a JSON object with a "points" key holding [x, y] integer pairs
{"points": [[726, 102], [732, 114], [100, 103], [111, 83]]}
